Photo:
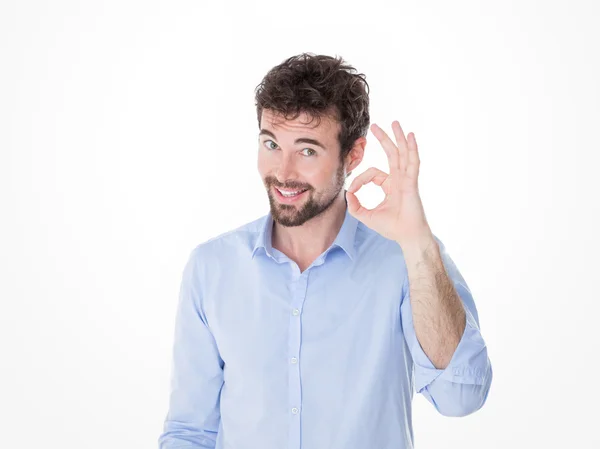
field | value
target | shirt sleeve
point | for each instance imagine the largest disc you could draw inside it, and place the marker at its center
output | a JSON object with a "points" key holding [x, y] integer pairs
{"points": [[462, 387], [193, 416]]}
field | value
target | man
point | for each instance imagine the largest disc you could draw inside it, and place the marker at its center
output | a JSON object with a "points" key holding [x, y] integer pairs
{"points": [[311, 327]]}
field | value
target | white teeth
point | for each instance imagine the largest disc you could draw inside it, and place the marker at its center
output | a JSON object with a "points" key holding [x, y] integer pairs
{"points": [[289, 194]]}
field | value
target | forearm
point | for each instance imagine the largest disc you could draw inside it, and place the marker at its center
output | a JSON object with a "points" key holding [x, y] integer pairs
{"points": [[438, 313]]}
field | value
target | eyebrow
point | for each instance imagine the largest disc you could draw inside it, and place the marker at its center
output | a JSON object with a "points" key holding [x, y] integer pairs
{"points": [[297, 141]]}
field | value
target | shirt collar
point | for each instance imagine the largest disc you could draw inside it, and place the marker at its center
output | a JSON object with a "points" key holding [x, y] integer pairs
{"points": [[344, 239]]}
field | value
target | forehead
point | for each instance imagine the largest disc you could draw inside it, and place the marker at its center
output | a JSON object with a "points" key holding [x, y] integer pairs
{"points": [[325, 126]]}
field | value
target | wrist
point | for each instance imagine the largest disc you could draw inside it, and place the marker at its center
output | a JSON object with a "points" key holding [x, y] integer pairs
{"points": [[420, 245]]}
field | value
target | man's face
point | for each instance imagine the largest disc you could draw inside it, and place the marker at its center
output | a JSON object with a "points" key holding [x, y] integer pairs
{"points": [[290, 165]]}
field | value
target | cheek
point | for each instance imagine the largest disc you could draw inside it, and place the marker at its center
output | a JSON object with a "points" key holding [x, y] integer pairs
{"points": [[262, 166]]}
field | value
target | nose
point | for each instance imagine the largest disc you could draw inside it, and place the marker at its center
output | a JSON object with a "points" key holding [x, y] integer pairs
{"points": [[286, 169]]}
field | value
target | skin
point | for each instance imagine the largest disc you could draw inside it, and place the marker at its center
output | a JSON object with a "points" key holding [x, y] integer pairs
{"points": [[305, 229], [438, 313]]}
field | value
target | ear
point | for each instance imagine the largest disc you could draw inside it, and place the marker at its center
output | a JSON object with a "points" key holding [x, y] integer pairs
{"points": [[356, 154]]}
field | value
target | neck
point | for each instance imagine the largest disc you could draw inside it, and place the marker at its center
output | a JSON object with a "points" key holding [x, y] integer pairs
{"points": [[313, 237]]}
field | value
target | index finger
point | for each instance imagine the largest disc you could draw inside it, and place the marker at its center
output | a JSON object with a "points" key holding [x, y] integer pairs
{"points": [[388, 146]]}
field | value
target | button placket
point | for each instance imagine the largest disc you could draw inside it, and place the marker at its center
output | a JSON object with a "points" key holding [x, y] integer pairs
{"points": [[298, 289]]}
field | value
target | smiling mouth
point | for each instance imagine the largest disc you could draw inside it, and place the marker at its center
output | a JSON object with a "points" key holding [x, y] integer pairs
{"points": [[288, 197], [289, 193]]}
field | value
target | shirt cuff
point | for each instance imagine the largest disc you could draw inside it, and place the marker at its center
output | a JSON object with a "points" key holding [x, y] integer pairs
{"points": [[469, 364]]}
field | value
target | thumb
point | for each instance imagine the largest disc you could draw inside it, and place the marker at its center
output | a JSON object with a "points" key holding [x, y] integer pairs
{"points": [[354, 207]]}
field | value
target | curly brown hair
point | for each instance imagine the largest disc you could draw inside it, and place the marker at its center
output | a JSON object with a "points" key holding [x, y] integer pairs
{"points": [[321, 86]]}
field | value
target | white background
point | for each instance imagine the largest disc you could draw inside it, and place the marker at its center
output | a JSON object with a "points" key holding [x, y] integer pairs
{"points": [[128, 135]]}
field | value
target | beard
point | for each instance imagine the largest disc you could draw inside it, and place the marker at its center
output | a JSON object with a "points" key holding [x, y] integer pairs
{"points": [[290, 215]]}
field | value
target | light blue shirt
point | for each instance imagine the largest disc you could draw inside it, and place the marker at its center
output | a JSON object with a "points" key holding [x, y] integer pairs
{"points": [[267, 357]]}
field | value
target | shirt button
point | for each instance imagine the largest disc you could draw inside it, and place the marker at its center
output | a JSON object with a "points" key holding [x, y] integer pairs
{"points": [[295, 411], [294, 360], [295, 312]]}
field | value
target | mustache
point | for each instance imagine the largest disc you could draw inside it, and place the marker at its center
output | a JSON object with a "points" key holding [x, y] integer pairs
{"points": [[291, 187]]}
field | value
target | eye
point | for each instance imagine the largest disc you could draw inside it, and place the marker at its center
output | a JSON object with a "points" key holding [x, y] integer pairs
{"points": [[268, 147], [310, 149], [266, 142]]}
